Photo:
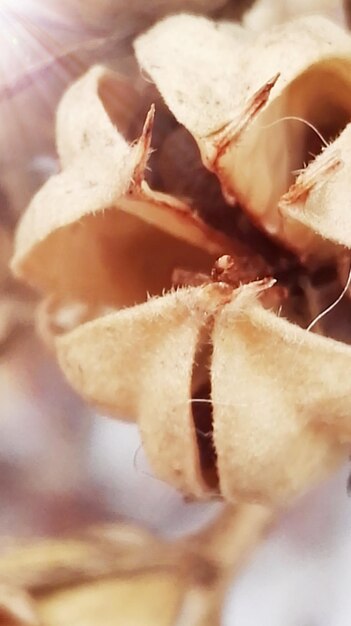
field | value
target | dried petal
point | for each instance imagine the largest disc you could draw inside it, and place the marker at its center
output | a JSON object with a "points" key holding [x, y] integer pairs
{"points": [[201, 91], [96, 232], [97, 235], [315, 209], [268, 413], [138, 363], [233, 105]]}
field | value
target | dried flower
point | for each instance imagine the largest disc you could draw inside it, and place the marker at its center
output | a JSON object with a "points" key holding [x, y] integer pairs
{"points": [[231, 398]]}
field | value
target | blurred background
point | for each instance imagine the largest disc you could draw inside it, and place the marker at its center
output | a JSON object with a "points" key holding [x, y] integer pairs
{"points": [[61, 466]]}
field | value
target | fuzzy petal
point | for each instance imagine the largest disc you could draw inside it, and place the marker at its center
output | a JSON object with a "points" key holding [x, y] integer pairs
{"points": [[96, 232], [231, 92], [274, 387], [138, 364], [315, 211]]}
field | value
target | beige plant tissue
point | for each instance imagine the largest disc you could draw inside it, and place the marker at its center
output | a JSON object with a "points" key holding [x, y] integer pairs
{"points": [[303, 72], [122, 574], [102, 246]]}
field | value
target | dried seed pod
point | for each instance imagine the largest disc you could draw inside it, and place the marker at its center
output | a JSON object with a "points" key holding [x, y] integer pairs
{"points": [[97, 235], [268, 424], [235, 109]]}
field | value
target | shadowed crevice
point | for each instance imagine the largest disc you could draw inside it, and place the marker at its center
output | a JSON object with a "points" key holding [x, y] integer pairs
{"points": [[202, 409]]}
